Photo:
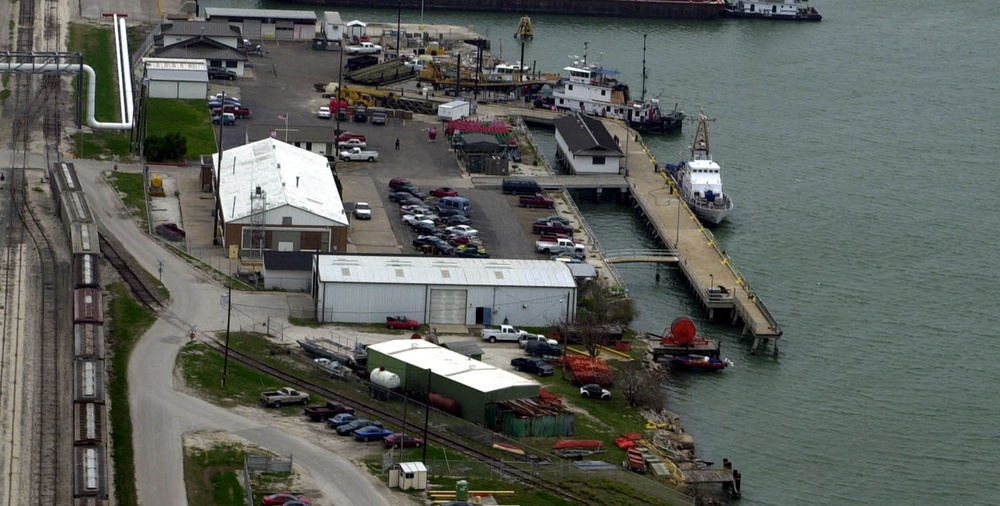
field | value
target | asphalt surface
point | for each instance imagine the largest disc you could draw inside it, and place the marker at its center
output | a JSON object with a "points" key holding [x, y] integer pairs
{"points": [[281, 83]]}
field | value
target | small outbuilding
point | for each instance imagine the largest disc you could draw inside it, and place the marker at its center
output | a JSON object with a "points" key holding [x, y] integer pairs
{"points": [[267, 24], [333, 27], [408, 476], [178, 78], [356, 30], [289, 271], [584, 146]]}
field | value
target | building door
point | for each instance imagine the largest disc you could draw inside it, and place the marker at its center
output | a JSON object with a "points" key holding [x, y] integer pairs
{"points": [[448, 306], [484, 316]]}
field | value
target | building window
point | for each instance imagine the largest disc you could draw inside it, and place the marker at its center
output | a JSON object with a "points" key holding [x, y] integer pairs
{"points": [[598, 160], [286, 220]]}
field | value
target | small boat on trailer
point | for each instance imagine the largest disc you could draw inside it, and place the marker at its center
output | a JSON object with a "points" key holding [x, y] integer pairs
{"points": [[699, 363], [791, 10]]}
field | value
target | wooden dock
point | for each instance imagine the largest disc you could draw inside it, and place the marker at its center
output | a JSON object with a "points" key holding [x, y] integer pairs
{"points": [[717, 284]]}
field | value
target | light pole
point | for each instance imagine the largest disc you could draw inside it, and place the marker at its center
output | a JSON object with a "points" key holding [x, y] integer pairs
{"points": [[228, 301], [399, 15], [677, 231], [340, 81]]}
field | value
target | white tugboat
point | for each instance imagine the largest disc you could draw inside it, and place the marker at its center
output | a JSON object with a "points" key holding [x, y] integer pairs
{"points": [[699, 180], [595, 90], [793, 10]]}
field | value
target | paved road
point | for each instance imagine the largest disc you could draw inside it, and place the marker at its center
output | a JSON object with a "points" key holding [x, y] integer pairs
{"points": [[161, 414]]}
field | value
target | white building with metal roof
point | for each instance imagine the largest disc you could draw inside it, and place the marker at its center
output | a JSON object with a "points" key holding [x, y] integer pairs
{"points": [[176, 78], [472, 383], [274, 196], [267, 24], [442, 290]]}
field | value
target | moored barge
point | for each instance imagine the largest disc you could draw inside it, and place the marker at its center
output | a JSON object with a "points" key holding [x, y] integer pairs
{"points": [[652, 9]]}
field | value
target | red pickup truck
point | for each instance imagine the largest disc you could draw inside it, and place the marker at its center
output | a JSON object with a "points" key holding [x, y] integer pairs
{"points": [[537, 200], [239, 112], [552, 227]]}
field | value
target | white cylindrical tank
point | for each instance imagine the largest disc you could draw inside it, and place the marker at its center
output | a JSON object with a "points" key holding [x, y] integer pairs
{"points": [[384, 378]]}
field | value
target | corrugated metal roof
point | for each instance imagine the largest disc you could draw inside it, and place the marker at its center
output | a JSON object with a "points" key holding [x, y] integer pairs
{"points": [[218, 29], [175, 64], [454, 366], [418, 270], [259, 13], [290, 176]]}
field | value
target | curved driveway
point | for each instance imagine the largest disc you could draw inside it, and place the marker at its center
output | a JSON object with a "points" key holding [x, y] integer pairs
{"points": [[161, 414]]}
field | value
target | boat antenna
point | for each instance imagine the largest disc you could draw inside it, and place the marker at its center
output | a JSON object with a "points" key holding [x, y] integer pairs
{"points": [[700, 148], [585, 43], [643, 68]]}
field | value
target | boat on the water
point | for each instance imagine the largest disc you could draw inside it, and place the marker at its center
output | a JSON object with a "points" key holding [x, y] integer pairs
{"points": [[792, 10], [699, 180], [699, 363], [595, 90]]}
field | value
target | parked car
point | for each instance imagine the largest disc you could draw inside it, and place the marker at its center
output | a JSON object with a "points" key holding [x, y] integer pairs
{"points": [[404, 196], [412, 219], [344, 136], [371, 433], [412, 190], [554, 218], [425, 229], [349, 427], [471, 251], [402, 441], [536, 200], [396, 182], [360, 115], [226, 118], [324, 113], [457, 240], [352, 143], [444, 191], [401, 322], [425, 239], [440, 246], [327, 411], [221, 73], [552, 227], [532, 365], [420, 208], [237, 110], [222, 96], [281, 499], [462, 230], [363, 211], [595, 391], [340, 419], [379, 117], [457, 219]]}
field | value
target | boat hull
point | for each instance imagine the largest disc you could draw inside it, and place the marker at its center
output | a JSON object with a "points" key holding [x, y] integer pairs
{"points": [[711, 216], [668, 9], [698, 363], [668, 124]]}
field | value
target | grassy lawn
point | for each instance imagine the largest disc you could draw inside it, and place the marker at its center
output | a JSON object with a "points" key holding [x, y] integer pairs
{"points": [[202, 370], [188, 117], [212, 476], [129, 186], [129, 320]]}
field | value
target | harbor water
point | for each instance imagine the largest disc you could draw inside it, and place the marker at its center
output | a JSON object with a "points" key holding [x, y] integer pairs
{"points": [[862, 154]]}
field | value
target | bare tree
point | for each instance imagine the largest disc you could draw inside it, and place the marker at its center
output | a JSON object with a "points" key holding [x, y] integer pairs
{"points": [[640, 384]]}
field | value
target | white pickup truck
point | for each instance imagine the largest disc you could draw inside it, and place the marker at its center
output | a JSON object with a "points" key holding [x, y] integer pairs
{"points": [[559, 245], [364, 48], [504, 333], [358, 155]]}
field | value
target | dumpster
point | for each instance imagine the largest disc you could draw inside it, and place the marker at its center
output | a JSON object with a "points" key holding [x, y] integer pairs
{"points": [[319, 44]]}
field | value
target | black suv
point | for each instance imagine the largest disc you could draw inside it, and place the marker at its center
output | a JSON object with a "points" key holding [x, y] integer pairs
{"points": [[221, 73], [532, 365]]}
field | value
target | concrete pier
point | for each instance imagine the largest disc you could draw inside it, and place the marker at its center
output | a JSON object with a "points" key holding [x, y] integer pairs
{"points": [[715, 281]]}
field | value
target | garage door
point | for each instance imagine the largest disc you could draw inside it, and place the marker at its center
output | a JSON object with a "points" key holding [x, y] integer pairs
{"points": [[448, 306]]}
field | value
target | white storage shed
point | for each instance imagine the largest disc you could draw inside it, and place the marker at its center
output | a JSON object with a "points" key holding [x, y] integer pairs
{"points": [[176, 78], [463, 291], [408, 475], [457, 109]]}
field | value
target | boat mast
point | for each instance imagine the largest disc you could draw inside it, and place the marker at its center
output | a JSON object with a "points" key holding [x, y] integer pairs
{"points": [[643, 99], [700, 147]]}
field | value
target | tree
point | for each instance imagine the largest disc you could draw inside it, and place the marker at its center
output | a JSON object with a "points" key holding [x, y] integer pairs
{"points": [[601, 306], [170, 147], [641, 385]]}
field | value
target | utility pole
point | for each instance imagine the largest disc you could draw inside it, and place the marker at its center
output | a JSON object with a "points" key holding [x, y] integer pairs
{"points": [[228, 301]]}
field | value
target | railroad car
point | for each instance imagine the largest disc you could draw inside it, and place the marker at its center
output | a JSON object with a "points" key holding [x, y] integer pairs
{"points": [[90, 463], [85, 270], [87, 306], [64, 178], [73, 208], [88, 424], [88, 385], [88, 340], [85, 238]]}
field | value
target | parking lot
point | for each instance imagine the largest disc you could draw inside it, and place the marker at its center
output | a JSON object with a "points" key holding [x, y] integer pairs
{"points": [[281, 83]]}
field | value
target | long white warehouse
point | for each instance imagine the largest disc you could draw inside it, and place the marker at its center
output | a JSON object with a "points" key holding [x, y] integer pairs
{"points": [[464, 291]]}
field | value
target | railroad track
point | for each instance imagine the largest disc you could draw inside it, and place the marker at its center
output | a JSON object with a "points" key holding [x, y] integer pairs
{"points": [[439, 437], [129, 275]]}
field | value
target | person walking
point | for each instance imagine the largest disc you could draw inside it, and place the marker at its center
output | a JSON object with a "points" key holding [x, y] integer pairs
{"points": [[397, 144]]}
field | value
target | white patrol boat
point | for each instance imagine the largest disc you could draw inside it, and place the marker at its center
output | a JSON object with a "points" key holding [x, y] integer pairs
{"points": [[699, 180], [794, 10]]}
